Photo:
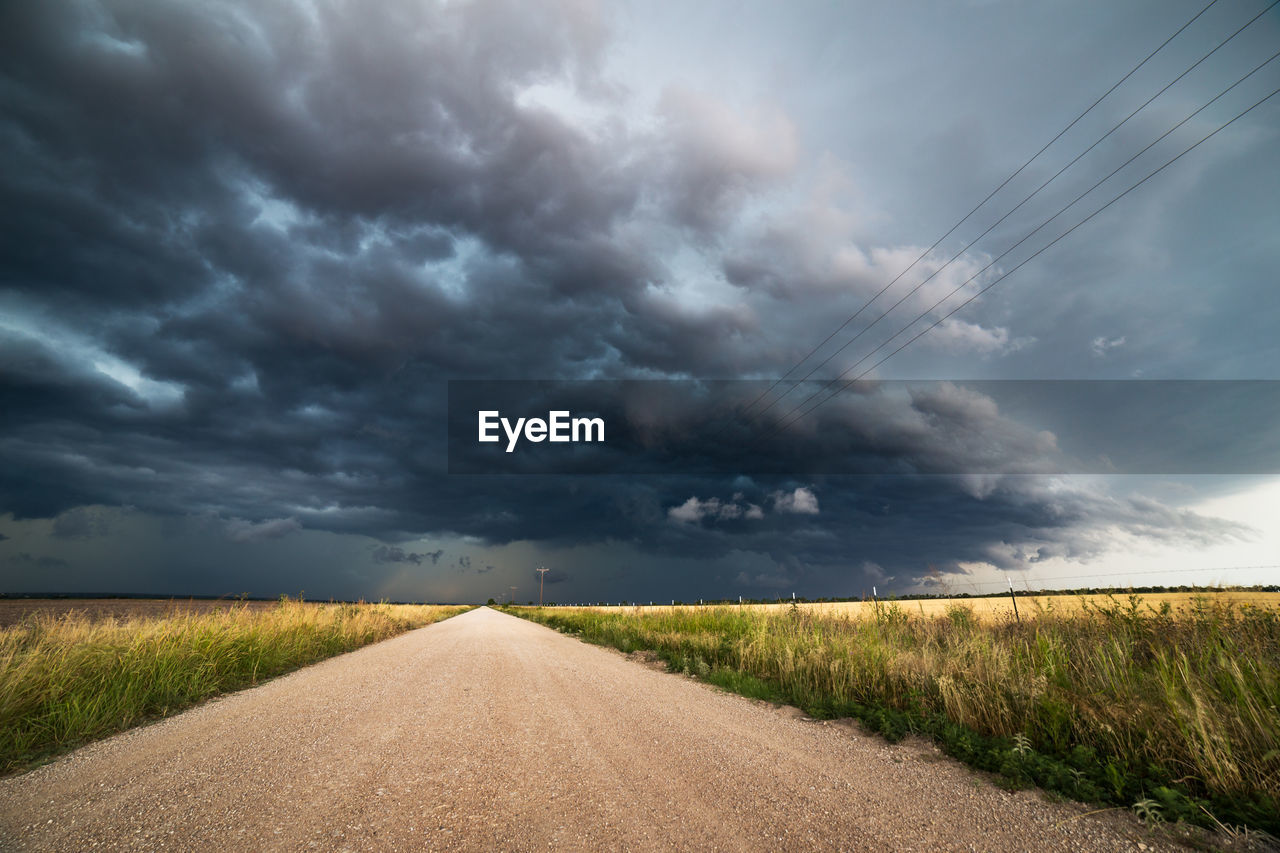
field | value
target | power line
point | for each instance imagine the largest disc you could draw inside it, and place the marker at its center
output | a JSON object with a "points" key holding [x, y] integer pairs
{"points": [[1018, 206], [1005, 275], [1062, 210], [979, 205], [787, 419]]}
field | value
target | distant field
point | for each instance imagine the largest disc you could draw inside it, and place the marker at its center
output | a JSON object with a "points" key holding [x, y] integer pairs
{"points": [[999, 609], [15, 610]]}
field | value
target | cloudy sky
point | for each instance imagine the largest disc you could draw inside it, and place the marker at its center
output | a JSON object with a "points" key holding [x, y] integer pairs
{"points": [[245, 246]]}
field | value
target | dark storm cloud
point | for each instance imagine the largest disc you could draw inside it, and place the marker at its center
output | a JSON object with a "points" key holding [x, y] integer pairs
{"points": [[391, 554], [394, 554], [305, 354], [244, 244], [283, 175]]}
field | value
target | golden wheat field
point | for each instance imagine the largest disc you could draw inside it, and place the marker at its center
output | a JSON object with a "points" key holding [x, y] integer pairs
{"points": [[14, 611], [1000, 609]]}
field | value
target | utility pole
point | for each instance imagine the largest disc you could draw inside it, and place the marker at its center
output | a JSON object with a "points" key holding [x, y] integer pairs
{"points": [[542, 575], [513, 594]]}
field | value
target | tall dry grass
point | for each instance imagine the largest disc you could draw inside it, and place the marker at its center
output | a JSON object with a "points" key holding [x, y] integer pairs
{"points": [[1113, 701], [69, 679]]}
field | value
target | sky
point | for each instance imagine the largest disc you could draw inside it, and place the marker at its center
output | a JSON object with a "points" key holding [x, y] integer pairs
{"points": [[244, 248]]}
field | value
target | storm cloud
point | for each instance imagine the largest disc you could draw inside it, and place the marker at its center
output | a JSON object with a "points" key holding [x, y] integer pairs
{"points": [[243, 246]]}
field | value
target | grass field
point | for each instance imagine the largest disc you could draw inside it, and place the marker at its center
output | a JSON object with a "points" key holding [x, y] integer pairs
{"points": [[14, 611], [73, 677], [1167, 706]]}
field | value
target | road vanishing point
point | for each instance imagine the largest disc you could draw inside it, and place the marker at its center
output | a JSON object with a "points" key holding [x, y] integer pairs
{"points": [[487, 732]]}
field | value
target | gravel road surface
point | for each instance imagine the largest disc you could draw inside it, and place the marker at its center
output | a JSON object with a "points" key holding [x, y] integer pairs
{"points": [[486, 732]]}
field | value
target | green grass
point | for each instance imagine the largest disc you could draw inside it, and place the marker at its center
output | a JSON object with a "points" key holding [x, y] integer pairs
{"points": [[67, 680], [1120, 704]]}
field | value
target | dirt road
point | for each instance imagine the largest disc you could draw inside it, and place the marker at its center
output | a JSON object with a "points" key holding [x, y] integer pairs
{"points": [[487, 732]]}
